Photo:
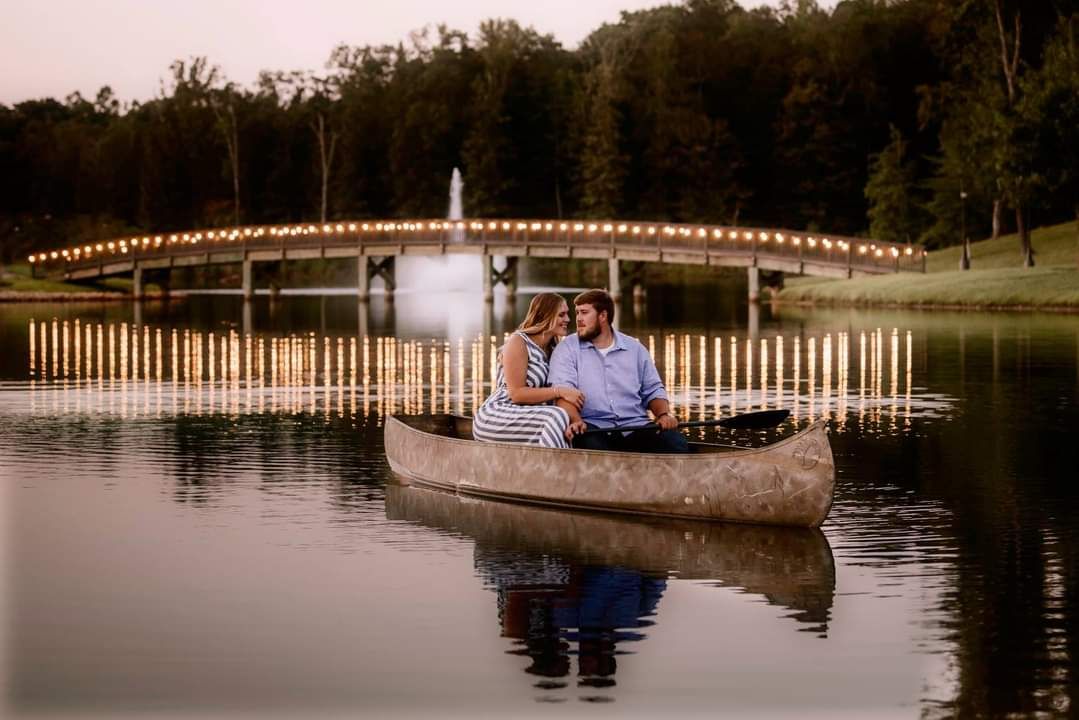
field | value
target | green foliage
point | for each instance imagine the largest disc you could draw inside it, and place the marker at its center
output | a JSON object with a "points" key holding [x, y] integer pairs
{"points": [[894, 212], [700, 112]]}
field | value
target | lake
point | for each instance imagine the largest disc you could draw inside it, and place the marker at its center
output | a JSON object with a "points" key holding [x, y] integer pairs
{"points": [[200, 521]]}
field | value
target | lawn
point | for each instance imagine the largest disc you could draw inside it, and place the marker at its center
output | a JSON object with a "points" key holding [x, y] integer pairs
{"points": [[996, 278]]}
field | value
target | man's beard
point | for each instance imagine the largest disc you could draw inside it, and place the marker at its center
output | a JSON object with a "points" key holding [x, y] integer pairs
{"points": [[589, 334]]}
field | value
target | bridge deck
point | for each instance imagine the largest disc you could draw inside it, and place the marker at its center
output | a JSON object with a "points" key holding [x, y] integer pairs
{"points": [[786, 251]]}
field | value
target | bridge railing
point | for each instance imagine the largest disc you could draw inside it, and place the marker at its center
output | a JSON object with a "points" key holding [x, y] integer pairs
{"points": [[666, 242]]}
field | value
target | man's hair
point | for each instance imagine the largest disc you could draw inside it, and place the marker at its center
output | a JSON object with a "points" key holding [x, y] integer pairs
{"points": [[600, 300]]}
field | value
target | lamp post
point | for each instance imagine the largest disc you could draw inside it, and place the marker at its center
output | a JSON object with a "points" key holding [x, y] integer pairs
{"points": [[964, 259]]}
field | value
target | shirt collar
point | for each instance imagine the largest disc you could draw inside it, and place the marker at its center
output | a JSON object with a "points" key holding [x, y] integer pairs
{"points": [[619, 342]]}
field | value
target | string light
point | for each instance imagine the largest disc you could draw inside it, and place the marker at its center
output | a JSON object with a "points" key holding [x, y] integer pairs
{"points": [[146, 244]]}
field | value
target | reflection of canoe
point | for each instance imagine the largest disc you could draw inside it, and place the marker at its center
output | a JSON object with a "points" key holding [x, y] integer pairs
{"points": [[787, 483], [791, 567]]}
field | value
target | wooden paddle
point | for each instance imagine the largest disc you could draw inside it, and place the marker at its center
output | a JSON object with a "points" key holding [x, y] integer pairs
{"points": [[743, 421]]}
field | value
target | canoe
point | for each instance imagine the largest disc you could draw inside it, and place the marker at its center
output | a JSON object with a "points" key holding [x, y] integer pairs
{"points": [[515, 544], [790, 482]]}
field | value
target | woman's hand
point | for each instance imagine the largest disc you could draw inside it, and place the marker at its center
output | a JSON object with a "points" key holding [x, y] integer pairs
{"points": [[571, 395]]}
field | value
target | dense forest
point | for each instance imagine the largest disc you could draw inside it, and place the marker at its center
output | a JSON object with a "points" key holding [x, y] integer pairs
{"points": [[904, 120]]}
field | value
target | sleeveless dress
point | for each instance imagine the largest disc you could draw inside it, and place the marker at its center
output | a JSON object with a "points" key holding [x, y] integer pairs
{"points": [[500, 419]]}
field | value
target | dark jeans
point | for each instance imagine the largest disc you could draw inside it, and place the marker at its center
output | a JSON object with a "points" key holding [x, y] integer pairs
{"points": [[667, 441]]}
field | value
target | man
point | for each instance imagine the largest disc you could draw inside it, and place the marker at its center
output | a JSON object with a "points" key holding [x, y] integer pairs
{"points": [[619, 381]]}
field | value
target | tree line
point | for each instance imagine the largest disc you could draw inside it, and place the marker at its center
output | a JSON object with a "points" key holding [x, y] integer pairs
{"points": [[901, 119]]}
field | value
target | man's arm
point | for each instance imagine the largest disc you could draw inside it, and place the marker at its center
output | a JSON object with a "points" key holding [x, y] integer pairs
{"points": [[661, 411], [653, 394]]}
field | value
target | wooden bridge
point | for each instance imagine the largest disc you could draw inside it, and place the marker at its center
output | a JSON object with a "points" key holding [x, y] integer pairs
{"points": [[627, 246]]}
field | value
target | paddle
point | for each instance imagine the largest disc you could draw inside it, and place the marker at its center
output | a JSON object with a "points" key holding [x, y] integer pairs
{"points": [[744, 421]]}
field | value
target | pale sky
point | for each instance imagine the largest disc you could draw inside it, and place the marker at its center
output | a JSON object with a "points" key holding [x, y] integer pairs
{"points": [[50, 48]]}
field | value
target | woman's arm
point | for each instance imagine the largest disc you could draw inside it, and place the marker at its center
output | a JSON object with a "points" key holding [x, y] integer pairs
{"points": [[514, 369]]}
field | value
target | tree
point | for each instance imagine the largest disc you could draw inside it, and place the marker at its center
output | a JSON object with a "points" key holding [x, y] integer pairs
{"points": [[894, 210], [1051, 105], [603, 165]]}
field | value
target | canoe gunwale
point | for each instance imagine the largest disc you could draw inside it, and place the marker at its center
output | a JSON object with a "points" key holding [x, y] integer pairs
{"points": [[593, 453]]}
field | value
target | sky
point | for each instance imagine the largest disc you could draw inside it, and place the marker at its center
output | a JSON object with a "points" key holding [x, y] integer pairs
{"points": [[50, 48]]}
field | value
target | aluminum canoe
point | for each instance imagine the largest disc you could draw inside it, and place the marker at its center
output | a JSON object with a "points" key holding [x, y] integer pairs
{"points": [[789, 482]]}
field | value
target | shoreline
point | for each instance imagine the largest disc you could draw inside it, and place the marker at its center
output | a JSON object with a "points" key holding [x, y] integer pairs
{"points": [[16, 296], [950, 307]]}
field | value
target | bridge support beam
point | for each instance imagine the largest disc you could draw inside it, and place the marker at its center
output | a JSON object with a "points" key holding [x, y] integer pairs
{"points": [[138, 290], [246, 282], [492, 276], [510, 275], [247, 316], [754, 275], [363, 281], [614, 279], [371, 267], [488, 278]]}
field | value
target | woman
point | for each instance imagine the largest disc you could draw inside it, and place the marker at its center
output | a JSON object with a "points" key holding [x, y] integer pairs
{"points": [[519, 409]]}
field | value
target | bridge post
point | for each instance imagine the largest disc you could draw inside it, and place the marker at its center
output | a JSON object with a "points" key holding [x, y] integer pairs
{"points": [[488, 278], [363, 283], [510, 278], [247, 313], [245, 274], [137, 290], [754, 274], [614, 279], [388, 272]]}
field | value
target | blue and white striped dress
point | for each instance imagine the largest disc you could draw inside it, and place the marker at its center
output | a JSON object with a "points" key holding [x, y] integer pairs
{"points": [[500, 419]]}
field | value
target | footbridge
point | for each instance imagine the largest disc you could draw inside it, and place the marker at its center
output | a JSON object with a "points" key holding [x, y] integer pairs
{"points": [[626, 246]]}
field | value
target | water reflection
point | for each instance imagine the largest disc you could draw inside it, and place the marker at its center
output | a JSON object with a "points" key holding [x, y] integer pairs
{"points": [[584, 585], [956, 584], [133, 369]]}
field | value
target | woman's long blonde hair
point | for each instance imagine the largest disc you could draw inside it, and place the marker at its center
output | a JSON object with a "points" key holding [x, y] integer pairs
{"points": [[542, 317]]}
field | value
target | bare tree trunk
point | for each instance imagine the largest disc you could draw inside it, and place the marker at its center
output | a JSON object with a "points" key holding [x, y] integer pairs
{"points": [[1024, 237], [998, 211], [326, 159], [1010, 66], [229, 129], [234, 156]]}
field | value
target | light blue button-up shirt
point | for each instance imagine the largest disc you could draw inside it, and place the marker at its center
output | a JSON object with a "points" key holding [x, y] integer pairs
{"points": [[617, 388]]}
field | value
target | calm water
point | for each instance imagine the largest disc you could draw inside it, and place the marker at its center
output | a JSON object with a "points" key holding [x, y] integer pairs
{"points": [[199, 521]]}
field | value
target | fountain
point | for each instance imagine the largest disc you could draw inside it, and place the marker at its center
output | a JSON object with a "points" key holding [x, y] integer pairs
{"points": [[455, 279], [444, 273]]}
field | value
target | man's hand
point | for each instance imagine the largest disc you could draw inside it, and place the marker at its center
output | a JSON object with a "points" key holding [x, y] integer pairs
{"points": [[667, 421], [575, 428]]}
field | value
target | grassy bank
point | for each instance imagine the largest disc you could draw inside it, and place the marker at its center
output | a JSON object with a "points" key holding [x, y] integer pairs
{"points": [[996, 278], [16, 284]]}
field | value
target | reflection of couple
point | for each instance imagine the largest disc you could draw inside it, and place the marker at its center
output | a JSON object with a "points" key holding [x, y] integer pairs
{"points": [[597, 607], [599, 378]]}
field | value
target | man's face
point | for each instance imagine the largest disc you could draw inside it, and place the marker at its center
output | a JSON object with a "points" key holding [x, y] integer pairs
{"points": [[588, 322]]}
